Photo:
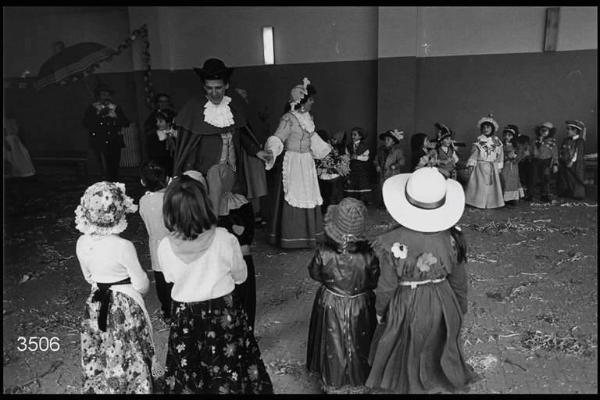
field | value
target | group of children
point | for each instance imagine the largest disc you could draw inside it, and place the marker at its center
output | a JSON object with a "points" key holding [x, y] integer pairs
{"points": [[387, 316], [502, 168], [388, 313], [347, 169], [502, 171], [201, 273]]}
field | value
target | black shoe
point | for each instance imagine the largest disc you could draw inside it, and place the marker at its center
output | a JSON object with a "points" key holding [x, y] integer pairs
{"points": [[527, 198], [545, 199]]}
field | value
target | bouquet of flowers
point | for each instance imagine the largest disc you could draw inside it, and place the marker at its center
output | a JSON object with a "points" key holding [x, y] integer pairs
{"points": [[334, 164], [106, 110]]}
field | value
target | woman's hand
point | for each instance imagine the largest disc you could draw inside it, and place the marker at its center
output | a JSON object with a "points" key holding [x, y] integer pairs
{"points": [[264, 155]]}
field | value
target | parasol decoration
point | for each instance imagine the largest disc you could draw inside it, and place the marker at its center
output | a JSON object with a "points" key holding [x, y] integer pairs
{"points": [[73, 63]]}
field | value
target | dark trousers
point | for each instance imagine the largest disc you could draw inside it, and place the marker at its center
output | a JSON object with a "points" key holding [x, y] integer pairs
{"points": [[109, 161], [244, 293], [540, 182], [332, 191], [525, 174], [163, 290]]}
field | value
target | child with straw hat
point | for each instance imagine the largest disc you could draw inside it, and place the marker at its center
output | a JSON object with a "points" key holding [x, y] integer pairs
{"points": [[421, 293]]}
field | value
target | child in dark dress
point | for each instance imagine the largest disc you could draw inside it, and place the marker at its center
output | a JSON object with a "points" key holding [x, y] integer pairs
{"points": [[571, 179], [422, 289], [343, 315], [359, 186]]}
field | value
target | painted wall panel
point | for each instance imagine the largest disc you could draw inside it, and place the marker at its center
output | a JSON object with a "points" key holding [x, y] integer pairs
{"points": [[520, 89], [578, 28], [28, 34], [302, 34], [397, 28]]}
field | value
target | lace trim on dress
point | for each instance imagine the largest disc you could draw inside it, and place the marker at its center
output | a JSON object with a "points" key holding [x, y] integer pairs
{"points": [[305, 120], [219, 115]]}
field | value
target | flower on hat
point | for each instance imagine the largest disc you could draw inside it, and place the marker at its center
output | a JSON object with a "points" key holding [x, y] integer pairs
{"points": [[102, 209], [490, 120], [298, 92]]}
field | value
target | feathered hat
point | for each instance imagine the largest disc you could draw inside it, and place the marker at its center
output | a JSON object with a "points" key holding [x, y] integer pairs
{"points": [[490, 120]]}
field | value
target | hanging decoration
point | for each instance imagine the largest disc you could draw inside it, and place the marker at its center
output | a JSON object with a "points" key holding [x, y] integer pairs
{"points": [[87, 64]]}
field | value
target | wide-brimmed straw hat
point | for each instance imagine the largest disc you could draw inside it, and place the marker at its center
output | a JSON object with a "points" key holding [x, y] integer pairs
{"points": [[345, 222], [424, 201], [213, 68], [102, 209], [395, 134], [579, 125], [443, 131]]}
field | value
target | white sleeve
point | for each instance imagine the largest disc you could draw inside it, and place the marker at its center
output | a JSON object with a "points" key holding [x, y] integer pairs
{"points": [[87, 275], [364, 156], [129, 259], [274, 145], [160, 254], [239, 270], [318, 147]]}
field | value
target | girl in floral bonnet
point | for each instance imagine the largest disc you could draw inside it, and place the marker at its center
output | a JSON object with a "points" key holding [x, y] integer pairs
{"points": [[117, 351], [421, 295]]}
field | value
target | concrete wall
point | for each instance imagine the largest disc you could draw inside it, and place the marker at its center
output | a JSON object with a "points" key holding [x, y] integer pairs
{"points": [[376, 67]]}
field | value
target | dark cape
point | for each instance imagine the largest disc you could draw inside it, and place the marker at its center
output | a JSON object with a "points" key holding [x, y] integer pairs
{"points": [[199, 143]]}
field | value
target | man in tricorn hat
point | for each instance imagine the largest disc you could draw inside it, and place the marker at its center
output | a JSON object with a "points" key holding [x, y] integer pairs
{"points": [[213, 136], [104, 121], [213, 132]]}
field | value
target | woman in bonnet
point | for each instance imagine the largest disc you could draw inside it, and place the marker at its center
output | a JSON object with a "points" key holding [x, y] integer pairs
{"points": [[297, 221], [117, 351]]}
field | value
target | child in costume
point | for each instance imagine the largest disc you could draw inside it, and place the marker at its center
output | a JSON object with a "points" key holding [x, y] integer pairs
{"points": [[484, 188], [446, 154], [571, 169], [359, 186], [511, 184], [524, 154], [17, 162], [154, 179], [545, 161], [390, 157], [332, 170], [422, 289], [422, 151], [343, 315], [116, 332], [211, 346]]}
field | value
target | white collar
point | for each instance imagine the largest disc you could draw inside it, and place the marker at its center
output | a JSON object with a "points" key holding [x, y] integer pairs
{"points": [[220, 114], [575, 137], [305, 120]]}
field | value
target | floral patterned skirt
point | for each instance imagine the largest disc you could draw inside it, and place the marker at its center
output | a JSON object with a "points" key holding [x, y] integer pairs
{"points": [[120, 359], [212, 350]]}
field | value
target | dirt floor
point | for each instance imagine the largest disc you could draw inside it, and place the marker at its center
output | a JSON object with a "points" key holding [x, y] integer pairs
{"points": [[531, 325]]}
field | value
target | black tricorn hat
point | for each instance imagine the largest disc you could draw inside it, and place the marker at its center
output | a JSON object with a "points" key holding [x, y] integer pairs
{"points": [[103, 87], [214, 68]]}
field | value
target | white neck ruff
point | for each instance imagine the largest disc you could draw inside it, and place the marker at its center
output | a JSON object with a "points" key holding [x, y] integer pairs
{"points": [[220, 114], [306, 121]]}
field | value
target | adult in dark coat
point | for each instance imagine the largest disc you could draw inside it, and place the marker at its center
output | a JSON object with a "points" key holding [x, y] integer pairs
{"points": [[104, 121], [213, 133]]}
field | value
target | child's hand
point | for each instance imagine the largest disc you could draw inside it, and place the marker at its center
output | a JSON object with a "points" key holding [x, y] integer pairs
{"points": [[377, 168], [379, 319]]}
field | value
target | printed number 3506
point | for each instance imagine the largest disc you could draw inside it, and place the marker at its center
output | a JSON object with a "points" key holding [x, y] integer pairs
{"points": [[38, 343]]}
